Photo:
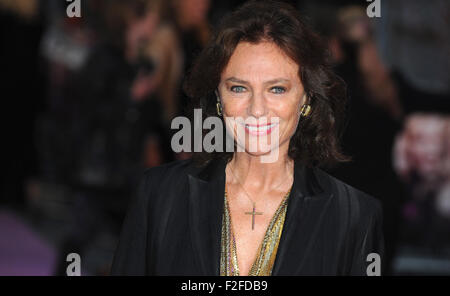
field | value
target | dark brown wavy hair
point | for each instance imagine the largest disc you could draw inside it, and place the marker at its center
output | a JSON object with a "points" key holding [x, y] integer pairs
{"points": [[316, 140]]}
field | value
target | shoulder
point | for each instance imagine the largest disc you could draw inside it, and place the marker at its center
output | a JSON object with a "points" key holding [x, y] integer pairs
{"points": [[357, 218], [360, 206], [358, 222], [168, 177], [175, 169]]}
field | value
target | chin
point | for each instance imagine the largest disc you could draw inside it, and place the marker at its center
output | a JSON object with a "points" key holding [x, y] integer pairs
{"points": [[271, 151]]}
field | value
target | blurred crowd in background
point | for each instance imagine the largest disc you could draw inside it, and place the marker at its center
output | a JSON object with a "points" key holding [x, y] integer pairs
{"points": [[87, 104]]}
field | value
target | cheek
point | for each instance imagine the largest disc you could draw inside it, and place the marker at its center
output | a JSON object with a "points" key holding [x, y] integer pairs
{"points": [[291, 123], [289, 112], [234, 108], [289, 118]]}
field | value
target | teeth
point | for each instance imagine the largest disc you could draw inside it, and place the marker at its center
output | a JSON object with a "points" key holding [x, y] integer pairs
{"points": [[260, 128]]}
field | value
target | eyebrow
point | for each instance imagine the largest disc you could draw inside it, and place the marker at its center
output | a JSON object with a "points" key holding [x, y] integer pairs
{"points": [[272, 81]]}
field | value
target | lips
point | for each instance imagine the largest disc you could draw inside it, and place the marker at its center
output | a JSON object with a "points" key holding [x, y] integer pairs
{"points": [[259, 130]]}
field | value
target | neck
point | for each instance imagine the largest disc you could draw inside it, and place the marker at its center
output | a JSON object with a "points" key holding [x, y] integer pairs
{"points": [[258, 176]]}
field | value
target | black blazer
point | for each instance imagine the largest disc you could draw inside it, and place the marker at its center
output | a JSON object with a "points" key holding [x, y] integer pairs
{"points": [[173, 226]]}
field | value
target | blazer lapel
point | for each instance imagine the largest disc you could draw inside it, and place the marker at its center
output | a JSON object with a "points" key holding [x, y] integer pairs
{"points": [[308, 200], [206, 197]]}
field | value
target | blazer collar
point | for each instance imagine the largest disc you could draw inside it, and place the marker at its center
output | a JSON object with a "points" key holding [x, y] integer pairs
{"points": [[206, 199]]}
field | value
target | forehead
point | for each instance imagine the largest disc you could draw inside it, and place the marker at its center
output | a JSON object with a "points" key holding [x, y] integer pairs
{"points": [[251, 61]]}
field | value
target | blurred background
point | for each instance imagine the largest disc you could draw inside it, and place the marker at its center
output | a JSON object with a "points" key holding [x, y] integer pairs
{"points": [[87, 103]]}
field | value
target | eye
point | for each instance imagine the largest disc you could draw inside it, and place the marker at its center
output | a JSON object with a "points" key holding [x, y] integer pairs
{"points": [[277, 90], [237, 89]]}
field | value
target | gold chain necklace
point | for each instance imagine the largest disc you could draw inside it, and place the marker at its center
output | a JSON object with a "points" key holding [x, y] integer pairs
{"points": [[253, 212]]}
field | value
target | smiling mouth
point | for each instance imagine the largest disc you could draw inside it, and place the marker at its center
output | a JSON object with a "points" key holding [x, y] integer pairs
{"points": [[260, 129]]}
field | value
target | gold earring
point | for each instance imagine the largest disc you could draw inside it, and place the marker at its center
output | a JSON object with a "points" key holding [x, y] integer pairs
{"points": [[305, 110], [219, 109]]}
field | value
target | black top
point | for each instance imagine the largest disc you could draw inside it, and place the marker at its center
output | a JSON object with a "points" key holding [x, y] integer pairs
{"points": [[173, 227]]}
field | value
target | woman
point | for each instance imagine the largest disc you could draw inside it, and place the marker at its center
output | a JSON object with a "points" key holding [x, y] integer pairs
{"points": [[239, 215]]}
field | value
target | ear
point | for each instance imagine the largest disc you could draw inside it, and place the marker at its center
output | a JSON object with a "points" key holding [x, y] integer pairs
{"points": [[305, 98], [303, 102], [217, 95]]}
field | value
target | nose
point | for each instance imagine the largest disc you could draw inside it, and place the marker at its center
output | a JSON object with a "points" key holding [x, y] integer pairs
{"points": [[257, 106]]}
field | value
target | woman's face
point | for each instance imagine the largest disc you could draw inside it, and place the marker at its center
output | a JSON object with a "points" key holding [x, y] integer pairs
{"points": [[260, 85]]}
